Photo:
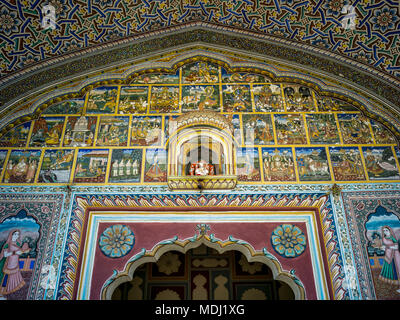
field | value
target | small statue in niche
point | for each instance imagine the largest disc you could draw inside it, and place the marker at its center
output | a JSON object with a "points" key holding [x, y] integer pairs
{"points": [[201, 168]]}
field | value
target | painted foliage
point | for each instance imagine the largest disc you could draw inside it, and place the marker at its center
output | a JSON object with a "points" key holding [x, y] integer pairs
{"points": [[73, 106]]}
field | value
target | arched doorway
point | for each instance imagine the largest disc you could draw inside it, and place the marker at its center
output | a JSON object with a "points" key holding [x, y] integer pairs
{"points": [[203, 273]]}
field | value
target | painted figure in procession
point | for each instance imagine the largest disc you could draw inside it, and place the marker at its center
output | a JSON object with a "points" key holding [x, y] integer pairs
{"points": [[126, 165], [346, 163], [354, 128], [16, 137], [157, 78], [133, 100], [312, 164], [91, 166], [278, 164], [156, 165], [22, 166], [380, 163], [80, 131], [200, 72], [47, 132], [56, 166], [248, 164], [146, 131], [19, 235], [200, 98], [298, 98], [113, 131], [332, 104], [382, 230], [290, 129], [236, 98], [164, 99], [241, 77], [73, 106], [102, 100], [257, 129], [268, 98], [322, 129], [381, 134]]}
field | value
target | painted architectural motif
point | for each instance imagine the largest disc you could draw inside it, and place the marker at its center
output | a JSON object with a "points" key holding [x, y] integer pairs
{"points": [[109, 150]]}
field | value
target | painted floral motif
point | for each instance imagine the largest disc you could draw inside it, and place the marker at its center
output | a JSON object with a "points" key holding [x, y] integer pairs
{"points": [[384, 19], [116, 241], [288, 240], [169, 263]]}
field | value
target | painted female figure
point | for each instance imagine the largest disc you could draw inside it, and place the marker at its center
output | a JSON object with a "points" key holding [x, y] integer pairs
{"points": [[10, 275], [390, 272]]}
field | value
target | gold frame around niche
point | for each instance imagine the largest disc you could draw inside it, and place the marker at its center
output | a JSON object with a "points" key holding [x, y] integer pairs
{"points": [[201, 124]]}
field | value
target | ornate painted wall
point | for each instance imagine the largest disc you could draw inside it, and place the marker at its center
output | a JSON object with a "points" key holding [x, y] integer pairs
{"points": [[85, 179]]}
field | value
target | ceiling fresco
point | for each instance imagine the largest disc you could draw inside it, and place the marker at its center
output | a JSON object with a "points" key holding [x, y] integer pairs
{"points": [[370, 36]]}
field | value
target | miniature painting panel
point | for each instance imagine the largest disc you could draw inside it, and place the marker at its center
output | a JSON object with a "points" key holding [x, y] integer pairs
{"points": [[331, 104], [278, 164], [322, 129], [125, 165], [290, 129], [240, 77], [91, 166], [354, 128], [248, 164], [47, 132], [22, 166], [298, 98], [257, 129], [56, 166], [164, 99], [200, 72], [133, 100], [73, 106], [346, 163], [380, 163], [113, 131], [146, 131], [236, 98], [79, 131], [268, 98], [102, 100], [200, 98], [156, 165], [19, 236], [157, 78], [16, 137], [381, 134], [312, 164], [382, 230]]}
